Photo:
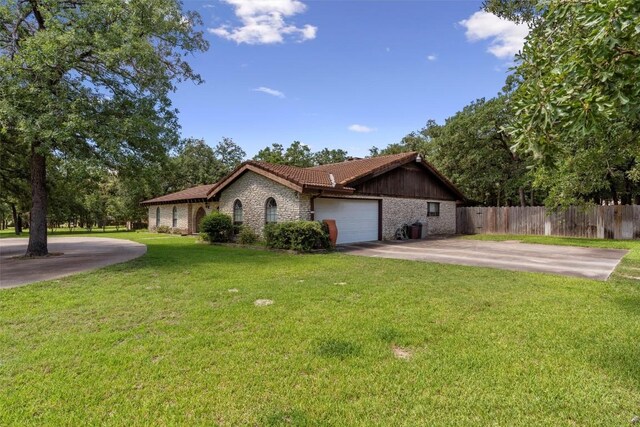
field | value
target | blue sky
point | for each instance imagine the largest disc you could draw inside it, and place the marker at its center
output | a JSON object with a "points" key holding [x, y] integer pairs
{"points": [[339, 74]]}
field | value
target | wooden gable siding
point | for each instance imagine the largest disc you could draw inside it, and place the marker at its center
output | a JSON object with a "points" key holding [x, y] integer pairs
{"points": [[409, 180]]}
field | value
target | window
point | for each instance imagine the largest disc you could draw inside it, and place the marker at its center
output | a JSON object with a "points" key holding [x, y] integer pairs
{"points": [[157, 217], [174, 223], [433, 209], [271, 211], [237, 212]]}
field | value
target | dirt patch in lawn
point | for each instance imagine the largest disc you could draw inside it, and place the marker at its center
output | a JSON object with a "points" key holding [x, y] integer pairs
{"points": [[401, 353]]}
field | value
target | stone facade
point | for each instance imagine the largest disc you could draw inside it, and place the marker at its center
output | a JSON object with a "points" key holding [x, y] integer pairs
{"points": [[397, 211], [253, 190], [186, 216]]}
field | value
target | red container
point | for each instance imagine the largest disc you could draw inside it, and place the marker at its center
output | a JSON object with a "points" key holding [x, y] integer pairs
{"points": [[333, 230]]}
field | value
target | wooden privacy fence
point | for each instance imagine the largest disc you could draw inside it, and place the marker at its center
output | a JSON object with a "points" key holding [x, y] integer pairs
{"points": [[597, 222]]}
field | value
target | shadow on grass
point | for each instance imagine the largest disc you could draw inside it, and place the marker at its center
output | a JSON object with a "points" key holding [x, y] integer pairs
{"points": [[340, 349], [629, 303], [286, 418]]}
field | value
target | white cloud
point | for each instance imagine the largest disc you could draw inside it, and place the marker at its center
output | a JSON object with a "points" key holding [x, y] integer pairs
{"points": [[208, 6], [263, 22], [360, 128], [507, 38], [432, 57], [269, 91]]}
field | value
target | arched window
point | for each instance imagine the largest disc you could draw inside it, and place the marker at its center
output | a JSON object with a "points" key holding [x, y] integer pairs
{"points": [[271, 211], [237, 212], [174, 223], [158, 217]]}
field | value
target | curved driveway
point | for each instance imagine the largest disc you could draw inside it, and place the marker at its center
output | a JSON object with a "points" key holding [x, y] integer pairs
{"points": [[79, 254]]}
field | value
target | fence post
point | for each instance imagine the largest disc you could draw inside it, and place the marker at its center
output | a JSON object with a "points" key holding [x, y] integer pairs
{"points": [[547, 223]]}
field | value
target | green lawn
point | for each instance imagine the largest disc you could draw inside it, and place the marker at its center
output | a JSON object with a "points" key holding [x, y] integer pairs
{"points": [[161, 340]]}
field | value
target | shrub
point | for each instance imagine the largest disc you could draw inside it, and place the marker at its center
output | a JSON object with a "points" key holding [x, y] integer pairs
{"points": [[246, 236], [163, 229], [296, 235], [217, 226]]}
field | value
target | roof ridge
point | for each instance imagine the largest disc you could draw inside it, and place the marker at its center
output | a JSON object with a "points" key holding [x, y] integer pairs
{"points": [[365, 159]]}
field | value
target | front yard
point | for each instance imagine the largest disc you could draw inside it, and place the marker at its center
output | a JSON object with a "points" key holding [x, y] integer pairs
{"points": [[175, 338]]}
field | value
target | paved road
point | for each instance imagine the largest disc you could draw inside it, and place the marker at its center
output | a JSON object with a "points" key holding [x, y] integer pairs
{"points": [[79, 254], [592, 263]]}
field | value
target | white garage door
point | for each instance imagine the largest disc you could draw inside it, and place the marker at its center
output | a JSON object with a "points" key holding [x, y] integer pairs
{"points": [[357, 220]]}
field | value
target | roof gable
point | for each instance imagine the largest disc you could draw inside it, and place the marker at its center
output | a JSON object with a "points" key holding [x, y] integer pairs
{"points": [[410, 180], [355, 172]]}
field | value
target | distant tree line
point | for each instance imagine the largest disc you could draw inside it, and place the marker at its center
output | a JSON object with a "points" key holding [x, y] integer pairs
{"points": [[86, 193]]}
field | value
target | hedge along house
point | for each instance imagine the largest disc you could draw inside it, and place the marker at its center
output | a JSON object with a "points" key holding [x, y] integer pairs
{"points": [[369, 198]]}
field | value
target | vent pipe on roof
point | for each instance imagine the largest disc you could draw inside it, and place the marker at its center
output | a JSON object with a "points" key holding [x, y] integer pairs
{"points": [[418, 159], [333, 180]]}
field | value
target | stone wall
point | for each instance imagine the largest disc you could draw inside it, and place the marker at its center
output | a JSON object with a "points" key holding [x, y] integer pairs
{"points": [[186, 216], [166, 216], [253, 190], [397, 211]]}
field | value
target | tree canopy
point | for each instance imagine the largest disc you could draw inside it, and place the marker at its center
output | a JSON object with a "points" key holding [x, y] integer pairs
{"points": [[472, 149], [576, 104], [568, 124], [91, 80], [299, 154]]}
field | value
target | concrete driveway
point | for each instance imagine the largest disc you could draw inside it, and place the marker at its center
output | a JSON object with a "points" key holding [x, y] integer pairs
{"points": [[592, 263], [79, 254]]}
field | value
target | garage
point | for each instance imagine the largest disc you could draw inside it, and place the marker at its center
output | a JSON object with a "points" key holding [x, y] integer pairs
{"points": [[357, 220]]}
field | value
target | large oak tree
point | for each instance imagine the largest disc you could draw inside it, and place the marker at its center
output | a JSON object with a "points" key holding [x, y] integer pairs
{"points": [[576, 104], [90, 79]]}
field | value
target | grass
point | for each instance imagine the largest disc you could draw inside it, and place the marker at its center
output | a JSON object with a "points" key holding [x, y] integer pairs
{"points": [[161, 341]]}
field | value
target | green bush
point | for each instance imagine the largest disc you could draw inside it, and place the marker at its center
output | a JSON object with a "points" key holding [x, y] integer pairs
{"points": [[163, 229], [297, 235], [246, 236], [217, 226]]}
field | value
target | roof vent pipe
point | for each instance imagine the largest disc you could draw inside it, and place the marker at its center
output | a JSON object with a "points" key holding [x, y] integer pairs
{"points": [[418, 159]]}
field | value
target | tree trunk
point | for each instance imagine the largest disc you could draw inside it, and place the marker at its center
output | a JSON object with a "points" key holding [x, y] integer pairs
{"points": [[532, 199], [523, 202], [17, 220], [38, 224]]}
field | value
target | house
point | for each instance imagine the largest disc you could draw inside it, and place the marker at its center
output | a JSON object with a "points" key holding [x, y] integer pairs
{"points": [[369, 198]]}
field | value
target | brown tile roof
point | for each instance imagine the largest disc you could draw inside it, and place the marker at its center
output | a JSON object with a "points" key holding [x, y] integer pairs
{"points": [[349, 171], [300, 176], [199, 192]]}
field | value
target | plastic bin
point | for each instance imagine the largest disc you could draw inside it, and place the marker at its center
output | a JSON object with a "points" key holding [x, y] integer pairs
{"points": [[415, 230]]}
